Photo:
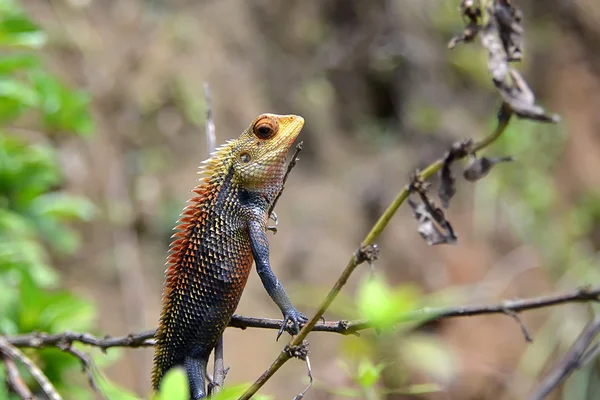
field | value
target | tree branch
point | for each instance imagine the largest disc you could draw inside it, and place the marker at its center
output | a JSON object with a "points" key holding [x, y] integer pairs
{"points": [[15, 380], [344, 327], [15, 354], [570, 362]]}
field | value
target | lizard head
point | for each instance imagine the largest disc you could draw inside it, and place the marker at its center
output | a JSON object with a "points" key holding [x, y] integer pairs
{"points": [[260, 154]]}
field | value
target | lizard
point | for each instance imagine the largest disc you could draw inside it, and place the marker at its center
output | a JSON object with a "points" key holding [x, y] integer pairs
{"points": [[219, 235]]}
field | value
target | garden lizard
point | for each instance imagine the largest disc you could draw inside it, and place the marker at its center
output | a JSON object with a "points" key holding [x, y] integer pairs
{"points": [[219, 235]]}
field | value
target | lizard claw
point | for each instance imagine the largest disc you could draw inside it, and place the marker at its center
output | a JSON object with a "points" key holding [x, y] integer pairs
{"points": [[297, 319], [273, 228]]}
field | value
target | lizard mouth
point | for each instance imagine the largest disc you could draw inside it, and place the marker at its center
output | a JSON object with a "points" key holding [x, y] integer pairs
{"points": [[289, 128]]}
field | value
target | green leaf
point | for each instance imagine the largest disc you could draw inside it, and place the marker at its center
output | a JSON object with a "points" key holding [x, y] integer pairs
{"points": [[19, 61], [12, 89], [10, 109], [30, 306], [63, 109], [27, 257], [368, 374], [64, 311], [51, 311], [17, 30], [231, 393], [26, 171], [114, 391], [13, 224], [382, 306], [374, 302], [63, 206], [174, 386]]}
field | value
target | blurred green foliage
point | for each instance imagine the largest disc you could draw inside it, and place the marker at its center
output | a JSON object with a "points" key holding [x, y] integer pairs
{"points": [[529, 196], [34, 210], [391, 347], [174, 386], [384, 306]]}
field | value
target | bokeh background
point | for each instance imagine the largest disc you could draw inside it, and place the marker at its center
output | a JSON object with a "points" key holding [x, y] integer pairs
{"points": [[382, 96]]}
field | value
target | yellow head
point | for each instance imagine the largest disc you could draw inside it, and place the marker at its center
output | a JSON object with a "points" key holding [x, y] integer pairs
{"points": [[259, 154]]}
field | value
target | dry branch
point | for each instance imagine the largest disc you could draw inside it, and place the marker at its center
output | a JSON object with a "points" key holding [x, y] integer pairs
{"points": [[9, 350], [344, 327], [15, 380], [571, 361]]}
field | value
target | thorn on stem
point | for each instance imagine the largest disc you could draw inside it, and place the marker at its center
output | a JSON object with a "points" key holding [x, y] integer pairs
{"points": [[516, 317]]}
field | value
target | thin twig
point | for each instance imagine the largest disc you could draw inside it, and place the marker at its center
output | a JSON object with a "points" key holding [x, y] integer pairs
{"points": [[503, 119], [344, 327], [211, 144], [524, 329], [15, 380], [211, 139], [301, 395], [87, 365], [290, 167], [570, 362], [11, 351], [219, 369]]}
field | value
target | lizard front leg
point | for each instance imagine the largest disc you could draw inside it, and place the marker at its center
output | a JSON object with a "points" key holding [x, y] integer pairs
{"points": [[260, 251]]}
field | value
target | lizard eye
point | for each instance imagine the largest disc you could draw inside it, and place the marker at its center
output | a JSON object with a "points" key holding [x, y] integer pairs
{"points": [[265, 128], [245, 158]]}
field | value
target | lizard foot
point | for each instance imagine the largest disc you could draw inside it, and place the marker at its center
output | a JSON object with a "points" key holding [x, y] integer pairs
{"points": [[297, 321]]}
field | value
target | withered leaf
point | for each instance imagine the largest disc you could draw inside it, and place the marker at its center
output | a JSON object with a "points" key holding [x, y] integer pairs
{"points": [[478, 168], [433, 227], [471, 14], [509, 28], [510, 84], [470, 32], [447, 188], [427, 229]]}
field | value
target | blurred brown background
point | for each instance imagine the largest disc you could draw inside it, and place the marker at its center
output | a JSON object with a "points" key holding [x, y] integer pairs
{"points": [[382, 95]]}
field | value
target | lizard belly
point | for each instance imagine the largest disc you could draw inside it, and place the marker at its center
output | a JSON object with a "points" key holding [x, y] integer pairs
{"points": [[202, 300], [209, 297]]}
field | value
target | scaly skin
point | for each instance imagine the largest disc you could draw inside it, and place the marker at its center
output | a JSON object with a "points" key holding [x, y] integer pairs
{"points": [[219, 235]]}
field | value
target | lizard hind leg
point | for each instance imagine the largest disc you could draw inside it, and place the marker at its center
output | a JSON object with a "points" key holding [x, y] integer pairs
{"points": [[195, 367]]}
